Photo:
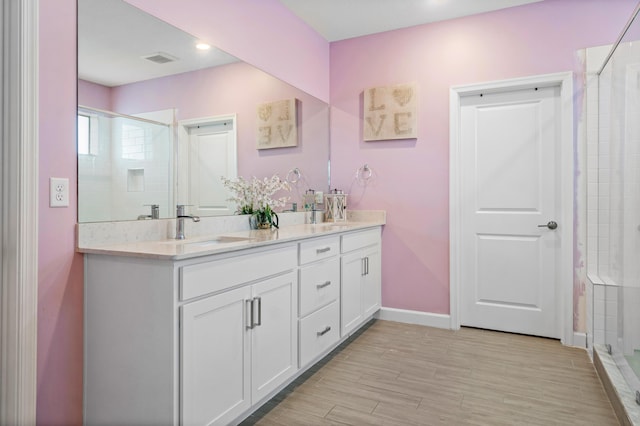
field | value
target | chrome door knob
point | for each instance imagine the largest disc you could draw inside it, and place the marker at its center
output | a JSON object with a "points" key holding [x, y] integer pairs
{"points": [[551, 225]]}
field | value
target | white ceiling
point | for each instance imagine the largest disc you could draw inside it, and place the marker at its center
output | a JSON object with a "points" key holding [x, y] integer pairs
{"points": [[114, 37], [341, 19]]}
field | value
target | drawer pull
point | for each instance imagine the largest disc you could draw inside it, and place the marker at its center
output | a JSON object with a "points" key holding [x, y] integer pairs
{"points": [[325, 331], [323, 285], [323, 250]]}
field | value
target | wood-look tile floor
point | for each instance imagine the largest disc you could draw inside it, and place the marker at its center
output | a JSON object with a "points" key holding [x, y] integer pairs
{"points": [[401, 374]]}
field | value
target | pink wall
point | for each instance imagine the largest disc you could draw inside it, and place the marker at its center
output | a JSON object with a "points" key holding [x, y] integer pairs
{"points": [[59, 267], [237, 89], [94, 95], [60, 355], [412, 175], [263, 33]]}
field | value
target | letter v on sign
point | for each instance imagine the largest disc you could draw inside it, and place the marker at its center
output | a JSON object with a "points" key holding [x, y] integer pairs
{"points": [[376, 130], [283, 136]]}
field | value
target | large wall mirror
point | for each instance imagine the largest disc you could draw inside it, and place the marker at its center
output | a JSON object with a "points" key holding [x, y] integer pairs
{"points": [[159, 121]]}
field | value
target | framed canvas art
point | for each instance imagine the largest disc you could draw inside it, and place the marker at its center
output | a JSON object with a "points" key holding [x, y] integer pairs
{"points": [[390, 112], [277, 124]]}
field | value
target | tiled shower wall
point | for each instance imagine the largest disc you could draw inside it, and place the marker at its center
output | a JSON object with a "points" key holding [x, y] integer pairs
{"points": [[118, 182], [597, 242]]}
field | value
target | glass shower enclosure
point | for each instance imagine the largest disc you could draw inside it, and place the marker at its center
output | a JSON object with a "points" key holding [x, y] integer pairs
{"points": [[614, 209]]}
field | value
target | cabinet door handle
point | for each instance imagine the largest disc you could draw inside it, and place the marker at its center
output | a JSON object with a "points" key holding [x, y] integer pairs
{"points": [[323, 250], [249, 306], [323, 285], [325, 331], [259, 299], [363, 267]]}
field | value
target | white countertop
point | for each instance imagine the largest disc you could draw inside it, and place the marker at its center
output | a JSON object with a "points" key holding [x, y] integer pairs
{"points": [[203, 245]]}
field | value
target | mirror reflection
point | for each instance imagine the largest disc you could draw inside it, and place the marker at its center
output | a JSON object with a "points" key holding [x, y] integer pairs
{"points": [[123, 162], [160, 121]]}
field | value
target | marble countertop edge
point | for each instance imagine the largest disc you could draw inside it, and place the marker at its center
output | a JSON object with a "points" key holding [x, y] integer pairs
{"points": [[226, 242]]}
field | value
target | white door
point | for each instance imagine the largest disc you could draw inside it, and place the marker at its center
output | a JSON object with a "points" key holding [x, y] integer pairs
{"points": [[215, 359], [371, 282], [352, 271], [510, 168], [212, 154], [274, 340]]}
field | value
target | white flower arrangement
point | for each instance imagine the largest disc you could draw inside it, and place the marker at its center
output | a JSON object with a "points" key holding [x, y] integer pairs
{"points": [[255, 197]]}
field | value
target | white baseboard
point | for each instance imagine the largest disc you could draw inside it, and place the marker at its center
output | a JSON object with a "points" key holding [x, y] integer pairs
{"points": [[579, 340], [414, 317], [444, 321]]}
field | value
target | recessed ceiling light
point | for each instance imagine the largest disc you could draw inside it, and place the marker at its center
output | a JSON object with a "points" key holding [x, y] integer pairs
{"points": [[203, 46]]}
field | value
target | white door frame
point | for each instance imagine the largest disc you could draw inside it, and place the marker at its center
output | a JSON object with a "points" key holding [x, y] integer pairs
{"points": [[19, 212], [564, 274]]}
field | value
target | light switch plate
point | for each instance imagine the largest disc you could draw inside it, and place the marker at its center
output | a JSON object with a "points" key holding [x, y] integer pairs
{"points": [[58, 192]]}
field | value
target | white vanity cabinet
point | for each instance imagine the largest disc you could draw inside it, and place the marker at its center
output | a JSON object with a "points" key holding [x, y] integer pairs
{"points": [[245, 339], [360, 278], [319, 297], [204, 339], [193, 342]]}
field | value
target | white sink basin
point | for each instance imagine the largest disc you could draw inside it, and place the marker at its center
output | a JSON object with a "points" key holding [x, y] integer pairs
{"points": [[209, 242], [332, 225], [216, 241]]}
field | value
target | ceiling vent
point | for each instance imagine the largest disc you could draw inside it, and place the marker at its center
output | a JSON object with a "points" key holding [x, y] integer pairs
{"points": [[160, 58]]}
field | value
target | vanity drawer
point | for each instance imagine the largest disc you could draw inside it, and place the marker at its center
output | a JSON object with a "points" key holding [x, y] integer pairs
{"points": [[319, 285], [217, 275], [360, 239], [318, 332], [319, 249]]}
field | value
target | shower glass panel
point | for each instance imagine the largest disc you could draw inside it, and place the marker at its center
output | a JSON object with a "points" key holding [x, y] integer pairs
{"points": [[617, 297], [124, 167]]}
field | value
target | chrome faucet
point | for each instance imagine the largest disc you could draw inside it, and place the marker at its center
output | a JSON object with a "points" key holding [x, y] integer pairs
{"points": [[155, 212], [180, 217], [313, 213], [294, 208]]}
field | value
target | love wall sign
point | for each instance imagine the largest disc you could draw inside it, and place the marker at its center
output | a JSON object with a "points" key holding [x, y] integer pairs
{"points": [[278, 124], [390, 112]]}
